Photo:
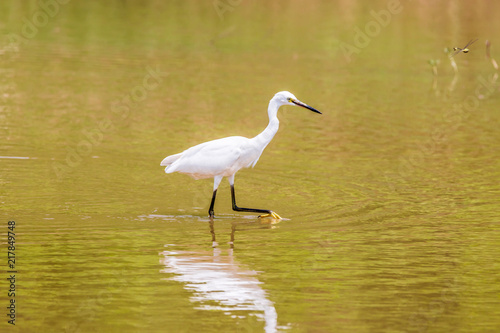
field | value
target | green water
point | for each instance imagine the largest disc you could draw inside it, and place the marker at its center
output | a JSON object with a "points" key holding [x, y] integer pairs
{"points": [[390, 199]]}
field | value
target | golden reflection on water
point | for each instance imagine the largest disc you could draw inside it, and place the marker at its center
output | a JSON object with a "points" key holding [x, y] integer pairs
{"points": [[391, 200]]}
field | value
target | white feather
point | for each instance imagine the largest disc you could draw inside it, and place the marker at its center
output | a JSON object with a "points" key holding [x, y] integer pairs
{"points": [[224, 157]]}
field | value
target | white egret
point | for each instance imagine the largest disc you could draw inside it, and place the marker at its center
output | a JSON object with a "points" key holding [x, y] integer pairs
{"points": [[224, 157]]}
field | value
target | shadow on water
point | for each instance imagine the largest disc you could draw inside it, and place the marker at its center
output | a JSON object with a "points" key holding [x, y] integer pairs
{"points": [[218, 282]]}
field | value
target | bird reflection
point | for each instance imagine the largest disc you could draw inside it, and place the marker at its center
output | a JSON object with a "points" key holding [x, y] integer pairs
{"points": [[262, 224], [219, 283]]}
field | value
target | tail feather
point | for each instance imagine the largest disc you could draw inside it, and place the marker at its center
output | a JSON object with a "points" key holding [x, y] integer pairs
{"points": [[170, 159]]}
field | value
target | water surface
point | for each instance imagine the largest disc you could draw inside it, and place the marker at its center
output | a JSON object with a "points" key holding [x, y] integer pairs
{"points": [[390, 198]]}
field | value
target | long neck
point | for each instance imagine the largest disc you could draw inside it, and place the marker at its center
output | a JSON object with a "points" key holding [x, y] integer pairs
{"points": [[267, 135]]}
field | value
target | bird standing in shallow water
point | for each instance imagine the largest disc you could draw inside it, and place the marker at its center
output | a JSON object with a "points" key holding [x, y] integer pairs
{"points": [[224, 157]]}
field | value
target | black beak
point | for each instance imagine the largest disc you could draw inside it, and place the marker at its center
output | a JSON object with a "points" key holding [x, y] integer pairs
{"points": [[299, 103]]}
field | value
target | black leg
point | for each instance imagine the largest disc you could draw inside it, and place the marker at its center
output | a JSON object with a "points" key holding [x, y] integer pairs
{"points": [[211, 209], [252, 210]]}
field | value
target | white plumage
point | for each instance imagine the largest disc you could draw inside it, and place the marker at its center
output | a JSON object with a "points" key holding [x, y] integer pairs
{"points": [[224, 157]]}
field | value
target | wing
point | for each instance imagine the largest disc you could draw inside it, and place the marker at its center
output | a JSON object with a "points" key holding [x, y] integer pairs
{"points": [[470, 42], [218, 157]]}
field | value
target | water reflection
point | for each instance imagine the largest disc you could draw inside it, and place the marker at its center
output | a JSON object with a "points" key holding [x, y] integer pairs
{"points": [[219, 282]]}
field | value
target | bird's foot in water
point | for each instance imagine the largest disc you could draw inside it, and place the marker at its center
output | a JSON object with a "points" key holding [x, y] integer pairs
{"points": [[271, 215]]}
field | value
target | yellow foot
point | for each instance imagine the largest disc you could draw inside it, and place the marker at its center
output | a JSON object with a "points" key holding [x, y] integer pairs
{"points": [[273, 215]]}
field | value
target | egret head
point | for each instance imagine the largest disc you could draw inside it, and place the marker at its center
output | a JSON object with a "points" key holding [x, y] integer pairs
{"points": [[287, 98]]}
